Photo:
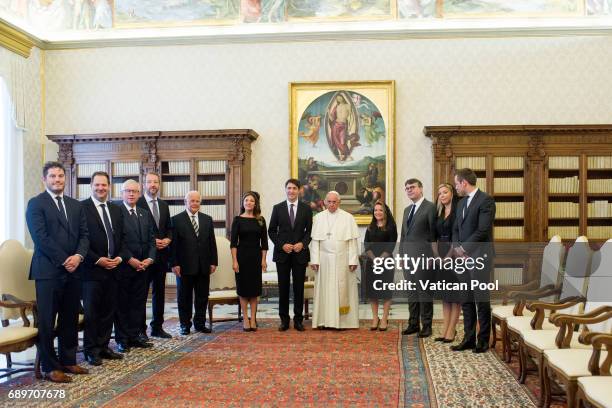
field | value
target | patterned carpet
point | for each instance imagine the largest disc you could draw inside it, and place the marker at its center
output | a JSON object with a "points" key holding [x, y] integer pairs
{"points": [[317, 368]]}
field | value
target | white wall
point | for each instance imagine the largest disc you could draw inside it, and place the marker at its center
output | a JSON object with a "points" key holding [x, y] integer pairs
{"points": [[439, 82]]}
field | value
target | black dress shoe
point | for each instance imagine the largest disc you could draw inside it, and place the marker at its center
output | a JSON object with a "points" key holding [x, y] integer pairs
{"points": [[123, 348], [138, 343], [160, 333], [481, 347], [410, 330], [143, 337], [298, 326], [425, 332], [440, 339], [203, 329], [110, 355], [93, 360], [464, 345], [184, 331], [283, 327]]}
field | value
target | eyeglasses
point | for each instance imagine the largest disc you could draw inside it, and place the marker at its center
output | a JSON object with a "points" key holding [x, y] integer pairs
{"points": [[410, 188], [131, 191]]}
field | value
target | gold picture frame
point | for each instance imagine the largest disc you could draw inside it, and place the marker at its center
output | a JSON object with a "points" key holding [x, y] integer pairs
{"points": [[342, 138]]}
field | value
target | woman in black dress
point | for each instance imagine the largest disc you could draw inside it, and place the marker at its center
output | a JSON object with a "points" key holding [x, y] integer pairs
{"points": [[446, 203], [379, 241], [249, 245]]}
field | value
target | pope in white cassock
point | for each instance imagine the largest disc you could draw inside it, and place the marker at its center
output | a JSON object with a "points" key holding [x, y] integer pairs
{"points": [[334, 258]]}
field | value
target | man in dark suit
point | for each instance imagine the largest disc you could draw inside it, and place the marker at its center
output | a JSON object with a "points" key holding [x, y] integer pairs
{"points": [[473, 238], [418, 233], [105, 226], [138, 253], [160, 213], [193, 260], [290, 227], [58, 227]]}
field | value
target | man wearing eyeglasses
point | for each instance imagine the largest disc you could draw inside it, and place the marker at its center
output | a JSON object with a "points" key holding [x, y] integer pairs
{"points": [[418, 233], [138, 253]]}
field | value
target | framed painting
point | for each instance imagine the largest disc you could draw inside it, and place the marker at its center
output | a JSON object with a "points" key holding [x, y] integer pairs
{"points": [[340, 10], [342, 139], [514, 8]]}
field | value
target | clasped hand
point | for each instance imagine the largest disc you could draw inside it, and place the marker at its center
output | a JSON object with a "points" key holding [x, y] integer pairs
{"points": [[72, 263], [108, 263], [288, 248], [162, 243], [139, 265]]}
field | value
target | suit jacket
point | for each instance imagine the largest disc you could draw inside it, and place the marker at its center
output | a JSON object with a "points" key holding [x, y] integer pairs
{"points": [[474, 230], [281, 233], [417, 237], [138, 237], [164, 230], [55, 239], [194, 254], [98, 241]]}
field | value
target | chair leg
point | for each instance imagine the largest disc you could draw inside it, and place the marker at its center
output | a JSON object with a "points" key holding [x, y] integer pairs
{"points": [[494, 322], [239, 312], [522, 363], [546, 391], [570, 393], [306, 314], [9, 360], [543, 381]]}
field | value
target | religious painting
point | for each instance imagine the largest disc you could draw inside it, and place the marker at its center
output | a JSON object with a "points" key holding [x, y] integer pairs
{"points": [[518, 8], [416, 8], [342, 137], [263, 11], [167, 13], [326, 10]]}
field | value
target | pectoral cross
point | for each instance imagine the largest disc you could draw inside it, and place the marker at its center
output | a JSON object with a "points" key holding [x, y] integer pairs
{"points": [[329, 234]]}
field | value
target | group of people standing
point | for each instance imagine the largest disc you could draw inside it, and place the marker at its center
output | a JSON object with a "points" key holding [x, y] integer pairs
{"points": [[452, 227], [108, 254]]}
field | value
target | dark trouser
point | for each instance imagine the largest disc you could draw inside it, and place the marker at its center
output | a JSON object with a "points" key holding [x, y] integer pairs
{"points": [[285, 271], [420, 302], [186, 285], [482, 312], [100, 304], [157, 279], [477, 307], [58, 298], [132, 295]]}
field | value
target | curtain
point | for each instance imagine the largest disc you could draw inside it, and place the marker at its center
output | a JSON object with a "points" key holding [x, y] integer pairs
{"points": [[12, 211]]}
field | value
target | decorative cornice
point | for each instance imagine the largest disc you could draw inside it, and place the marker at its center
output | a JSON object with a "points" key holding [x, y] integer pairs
{"points": [[153, 135], [518, 130], [15, 40]]}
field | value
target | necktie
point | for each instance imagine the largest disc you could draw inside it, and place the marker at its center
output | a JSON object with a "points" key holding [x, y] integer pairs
{"points": [[134, 217], [155, 212], [109, 231], [61, 207], [196, 229], [411, 215], [467, 204], [291, 215]]}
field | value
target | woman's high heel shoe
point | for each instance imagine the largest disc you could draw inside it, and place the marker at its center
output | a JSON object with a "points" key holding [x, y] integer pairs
{"points": [[440, 338], [449, 340], [375, 327], [384, 328]]}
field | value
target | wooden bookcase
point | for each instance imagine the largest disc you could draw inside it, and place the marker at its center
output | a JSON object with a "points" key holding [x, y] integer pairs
{"points": [[215, 162], [546, 180]]}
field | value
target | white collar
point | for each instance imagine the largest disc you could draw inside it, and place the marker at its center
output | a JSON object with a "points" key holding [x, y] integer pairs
{"points": [[149, 198], [53, 195], [190, 214], [418, 203], [97, 202], [130, 208], [295, 203], [472, 194]]}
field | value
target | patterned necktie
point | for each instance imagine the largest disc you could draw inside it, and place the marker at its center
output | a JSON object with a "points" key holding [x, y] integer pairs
{"points": [[291, 215], [411, 215], [61, 207], [196, 229], [155, 212], [109, 231], [134, 217]]}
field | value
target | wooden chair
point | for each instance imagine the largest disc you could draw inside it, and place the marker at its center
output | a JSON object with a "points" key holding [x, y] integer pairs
{"points": [[19, 299], [567, 361], [535, 334], [515, 296], [596, 389], [223, 283]]}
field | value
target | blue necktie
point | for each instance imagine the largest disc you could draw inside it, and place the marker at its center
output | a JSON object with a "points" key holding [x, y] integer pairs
{"points": [[61, 207], [109, 231], [411, 215]]}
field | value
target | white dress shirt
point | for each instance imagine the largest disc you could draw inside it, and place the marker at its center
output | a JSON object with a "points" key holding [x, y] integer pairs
{"points": [[197, 217], [295, 205]]}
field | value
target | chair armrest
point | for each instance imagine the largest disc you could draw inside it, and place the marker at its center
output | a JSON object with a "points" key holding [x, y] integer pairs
{"points": [[584, 318], [506, 289], [599, 340], [545, 291], [12, 302], [540, 307], [587, 338]]}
